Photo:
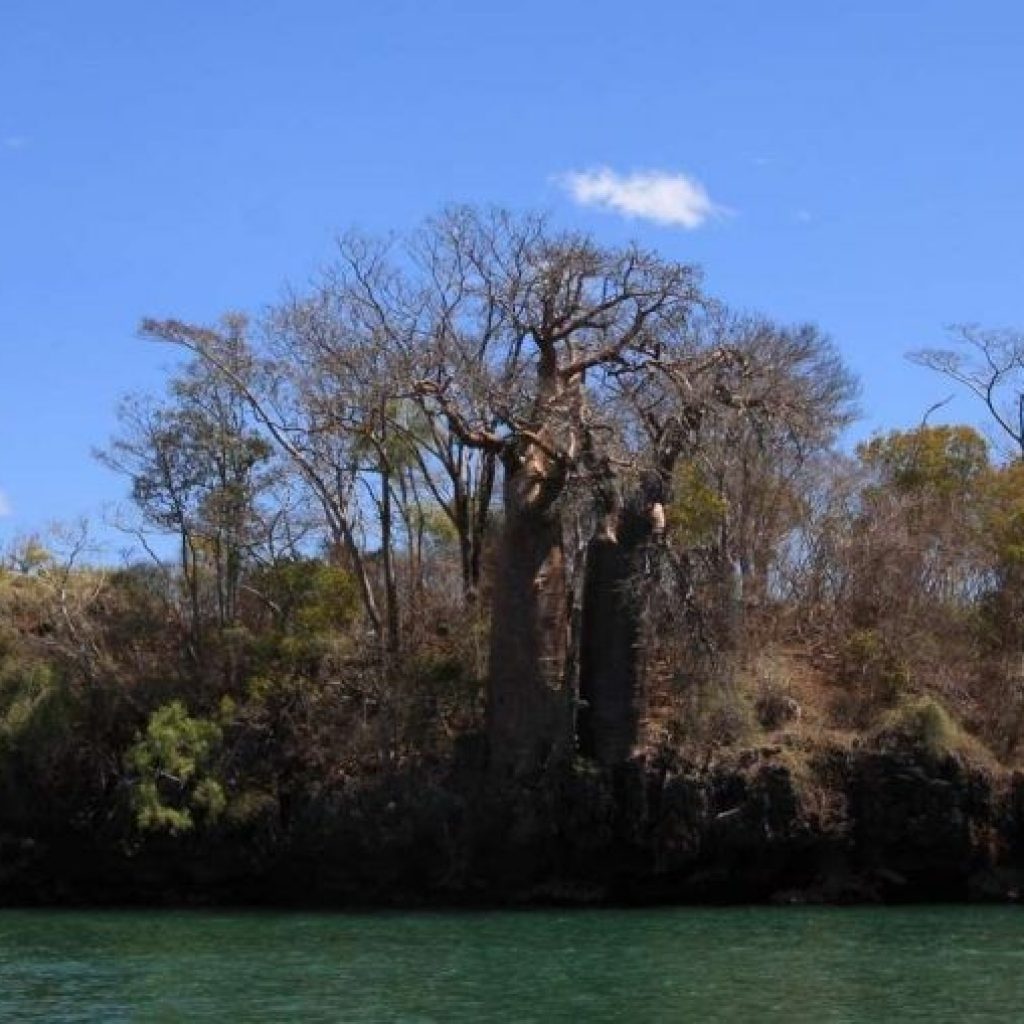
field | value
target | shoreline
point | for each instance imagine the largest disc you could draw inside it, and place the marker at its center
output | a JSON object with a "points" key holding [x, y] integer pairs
{"points": [[758, 827]]}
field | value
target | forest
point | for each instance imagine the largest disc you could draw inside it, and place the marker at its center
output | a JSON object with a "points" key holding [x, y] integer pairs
{"points": [[499, 565]]}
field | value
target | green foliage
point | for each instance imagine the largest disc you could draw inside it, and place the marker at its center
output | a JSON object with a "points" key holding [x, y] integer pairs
{"points": [[395, 448], [1004, 514], [29, 556], [438, 526], [329, 601], [172, 763], [249, 807], [1002, 524], [942, 461], [922, 723], [875, 669], [310, 596], [697, 510], [34, 707]]}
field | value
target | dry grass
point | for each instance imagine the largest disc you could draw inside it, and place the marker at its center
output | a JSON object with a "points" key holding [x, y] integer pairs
{"points": [[787, 698]]}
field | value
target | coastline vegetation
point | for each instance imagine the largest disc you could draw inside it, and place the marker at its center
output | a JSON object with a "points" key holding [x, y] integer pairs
{"points": [[503, 565]]}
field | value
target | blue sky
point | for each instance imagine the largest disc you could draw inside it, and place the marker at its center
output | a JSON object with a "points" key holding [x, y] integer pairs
{"points": [[862, 167]]}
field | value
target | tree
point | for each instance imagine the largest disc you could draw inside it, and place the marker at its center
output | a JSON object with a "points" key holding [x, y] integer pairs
{"points": [[198, 465], [895, 561], [555, 320], [990, 364], [506, 335], [719, 431], [298, 420], [489, 343]]}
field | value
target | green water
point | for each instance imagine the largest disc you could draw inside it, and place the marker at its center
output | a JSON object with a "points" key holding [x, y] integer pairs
{"points": [[874, 965]]}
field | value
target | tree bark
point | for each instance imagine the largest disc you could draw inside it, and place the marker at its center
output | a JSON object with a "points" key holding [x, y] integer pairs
{"points": [[611, 680], [529, 710]]}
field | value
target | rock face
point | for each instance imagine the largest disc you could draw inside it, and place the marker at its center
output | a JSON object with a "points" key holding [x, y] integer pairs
{"points": [[922, 829], [759, 825]]}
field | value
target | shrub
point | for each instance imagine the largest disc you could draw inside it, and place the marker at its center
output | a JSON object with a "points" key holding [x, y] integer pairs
{"points": [[774, 707], [873, 667], [172, 763], [922, 724]]}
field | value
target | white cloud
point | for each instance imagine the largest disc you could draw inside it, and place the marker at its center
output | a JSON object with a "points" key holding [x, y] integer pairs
{"points": [[660, 196], [5, 505]]}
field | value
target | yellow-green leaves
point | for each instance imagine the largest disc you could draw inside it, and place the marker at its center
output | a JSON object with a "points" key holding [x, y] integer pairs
{"points": [[942, 461], [696, 510], [1004, 513], [172, 762]]}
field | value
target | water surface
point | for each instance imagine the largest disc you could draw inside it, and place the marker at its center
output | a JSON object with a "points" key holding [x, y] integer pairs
{"points": [[933, 964]]}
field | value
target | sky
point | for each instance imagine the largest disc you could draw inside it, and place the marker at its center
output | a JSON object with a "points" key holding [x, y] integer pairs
{"points": [[856, 165]]}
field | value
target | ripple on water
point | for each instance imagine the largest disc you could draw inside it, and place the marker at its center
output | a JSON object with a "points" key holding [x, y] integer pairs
{"points": [[793, 965]]}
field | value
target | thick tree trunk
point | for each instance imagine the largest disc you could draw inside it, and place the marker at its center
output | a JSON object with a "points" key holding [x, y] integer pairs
{"points": [[611, 681], [529, 719]]}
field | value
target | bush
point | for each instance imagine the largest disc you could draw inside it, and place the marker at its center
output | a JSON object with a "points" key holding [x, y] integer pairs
{"points": [[172, 762], [774, 707], [875, 676], [921, 724]]}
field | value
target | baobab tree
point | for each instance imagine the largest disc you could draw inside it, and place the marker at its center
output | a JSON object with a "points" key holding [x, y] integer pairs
{"points": [[555, 320], [716, 432], [490, 354]]}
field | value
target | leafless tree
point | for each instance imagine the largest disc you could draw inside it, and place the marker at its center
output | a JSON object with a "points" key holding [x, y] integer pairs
{"points": [[990, 364], [546, 323], [721, 427], [489, 354]]}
